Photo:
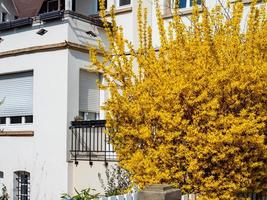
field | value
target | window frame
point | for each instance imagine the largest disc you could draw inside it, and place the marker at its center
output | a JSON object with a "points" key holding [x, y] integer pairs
{"points": [[89, 92], [22, 185], [6, 119], [188, 4], [25, 120], [45, 6], [118, 4]]}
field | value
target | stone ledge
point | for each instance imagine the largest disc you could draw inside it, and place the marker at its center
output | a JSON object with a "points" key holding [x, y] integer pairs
{"points": [[46, 48], [16, 133]]}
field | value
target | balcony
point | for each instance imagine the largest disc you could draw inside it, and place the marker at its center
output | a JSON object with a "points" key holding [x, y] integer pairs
{"points": [[90, 143], [47, 17]]}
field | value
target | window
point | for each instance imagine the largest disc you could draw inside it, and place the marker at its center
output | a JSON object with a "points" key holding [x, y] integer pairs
{"points": [[186, 3], [16, 90], [98, 5], [124, 2], [73, 5], [3, 17], [52, 5], [87, 116], [22, 185], [89, 98]]}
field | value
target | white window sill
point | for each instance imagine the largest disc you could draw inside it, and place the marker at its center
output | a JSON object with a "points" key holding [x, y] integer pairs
{"points": [[123, 7], [182, 12]]}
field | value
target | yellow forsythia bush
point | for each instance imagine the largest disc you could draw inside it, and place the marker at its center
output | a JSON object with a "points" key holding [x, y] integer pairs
{"points": [[194, 113]]}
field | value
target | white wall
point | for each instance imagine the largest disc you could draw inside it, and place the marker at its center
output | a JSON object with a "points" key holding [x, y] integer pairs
{"points": [[86, 176], [44, 154], [27, 37], [77, 33]]}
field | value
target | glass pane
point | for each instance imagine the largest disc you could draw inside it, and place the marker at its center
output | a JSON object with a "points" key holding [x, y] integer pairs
{"points": [[43, 8], [23, 185], [24, 190], [52, 6], [2, 120], [182, 3], [29, 119], [125, 2], [62, 4], [73, 5], [87, 116], [15, 120]]}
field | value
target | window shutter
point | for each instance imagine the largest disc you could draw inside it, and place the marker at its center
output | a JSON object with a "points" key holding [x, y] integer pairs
{"points": [[89, 92], [17, 92]]}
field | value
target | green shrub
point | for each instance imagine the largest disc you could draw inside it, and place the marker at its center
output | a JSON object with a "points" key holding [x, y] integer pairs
{"points": [[4, 195]]}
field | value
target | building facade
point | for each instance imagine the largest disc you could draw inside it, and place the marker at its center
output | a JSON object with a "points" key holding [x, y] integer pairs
{"points": [[45, 83]]}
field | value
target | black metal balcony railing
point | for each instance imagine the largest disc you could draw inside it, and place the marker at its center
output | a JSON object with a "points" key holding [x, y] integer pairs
{"points": [[90, 143], [18, 23], [47, 17], [50, 16]]}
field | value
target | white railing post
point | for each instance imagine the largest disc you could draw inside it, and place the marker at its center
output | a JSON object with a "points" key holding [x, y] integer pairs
{"points": [[68, 4]]}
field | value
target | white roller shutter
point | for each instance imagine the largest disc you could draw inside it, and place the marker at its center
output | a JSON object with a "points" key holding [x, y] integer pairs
{"points": [[89, 92], [17, 92]]}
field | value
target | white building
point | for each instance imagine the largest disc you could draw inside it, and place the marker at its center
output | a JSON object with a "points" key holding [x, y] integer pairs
{"points": [[45, 85]]}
